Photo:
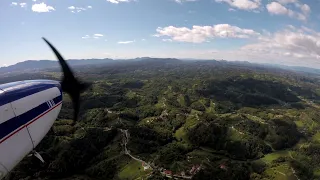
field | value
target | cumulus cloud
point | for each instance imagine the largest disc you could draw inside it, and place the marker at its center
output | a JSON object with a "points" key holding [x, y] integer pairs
{"points": [[199, 34], [119, 1], [89, 7], [291, 46], [41, 8], [305, 8], [125, 42], [276, 8], [298, 43], [248, 5], [74, 9], [279, 8], [14, 3]]}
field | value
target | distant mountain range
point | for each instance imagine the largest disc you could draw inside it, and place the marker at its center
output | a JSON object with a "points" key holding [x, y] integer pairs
{"points": [[45, 64], [297, 68], [36, 65]]}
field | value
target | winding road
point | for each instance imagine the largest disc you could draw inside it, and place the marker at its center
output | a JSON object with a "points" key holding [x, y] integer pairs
{"points": [[125, 140]]}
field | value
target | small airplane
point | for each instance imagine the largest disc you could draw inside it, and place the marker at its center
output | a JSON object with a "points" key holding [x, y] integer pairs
{"points": [[28, 109]]}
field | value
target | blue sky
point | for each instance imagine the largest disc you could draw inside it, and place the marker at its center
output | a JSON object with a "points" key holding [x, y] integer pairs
{"points": [[279, 31]]}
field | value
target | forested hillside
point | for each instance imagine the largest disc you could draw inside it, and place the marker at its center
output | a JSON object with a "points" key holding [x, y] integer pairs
{"points": [[154, 119]]}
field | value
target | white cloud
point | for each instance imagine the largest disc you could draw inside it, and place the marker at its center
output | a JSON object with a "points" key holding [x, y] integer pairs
{"points": [[199, 34], [71, 7], [276, 8], [42, 7], [79, 9], [231, 9], [305, 9], [74, 9], [295, 43], [125, 42], [86, 37], [279, 9], [95, 36], [23, 5], [119, 1], [143, 39], [242, 4], [98, 35]]}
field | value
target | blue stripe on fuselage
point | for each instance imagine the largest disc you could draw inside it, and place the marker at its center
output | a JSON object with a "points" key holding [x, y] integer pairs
{"points": [[17, 90], [11, 125]]}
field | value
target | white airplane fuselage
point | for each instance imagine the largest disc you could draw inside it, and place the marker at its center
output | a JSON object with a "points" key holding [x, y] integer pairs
{"points": [[28, 109]]}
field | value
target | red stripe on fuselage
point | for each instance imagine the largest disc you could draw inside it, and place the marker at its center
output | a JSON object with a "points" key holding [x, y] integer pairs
{"points": [[27, 124]]}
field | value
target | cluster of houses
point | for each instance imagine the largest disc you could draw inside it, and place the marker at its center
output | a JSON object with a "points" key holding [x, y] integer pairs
{"points": [[183, 174]]}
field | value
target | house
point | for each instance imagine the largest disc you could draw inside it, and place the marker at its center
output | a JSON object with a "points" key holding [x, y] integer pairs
{"points": [[195, 169], [168, 172], [222, 166], [145, 166]]}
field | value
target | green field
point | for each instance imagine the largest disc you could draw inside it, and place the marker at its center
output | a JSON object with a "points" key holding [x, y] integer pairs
{"points": [[273, 156], [281, 172], [133, 170], [316, 137], [181, 134], [316, 173]]}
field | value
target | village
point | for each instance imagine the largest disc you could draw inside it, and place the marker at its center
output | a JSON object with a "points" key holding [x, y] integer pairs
{"points": [[150, 166], [180, 175]]}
